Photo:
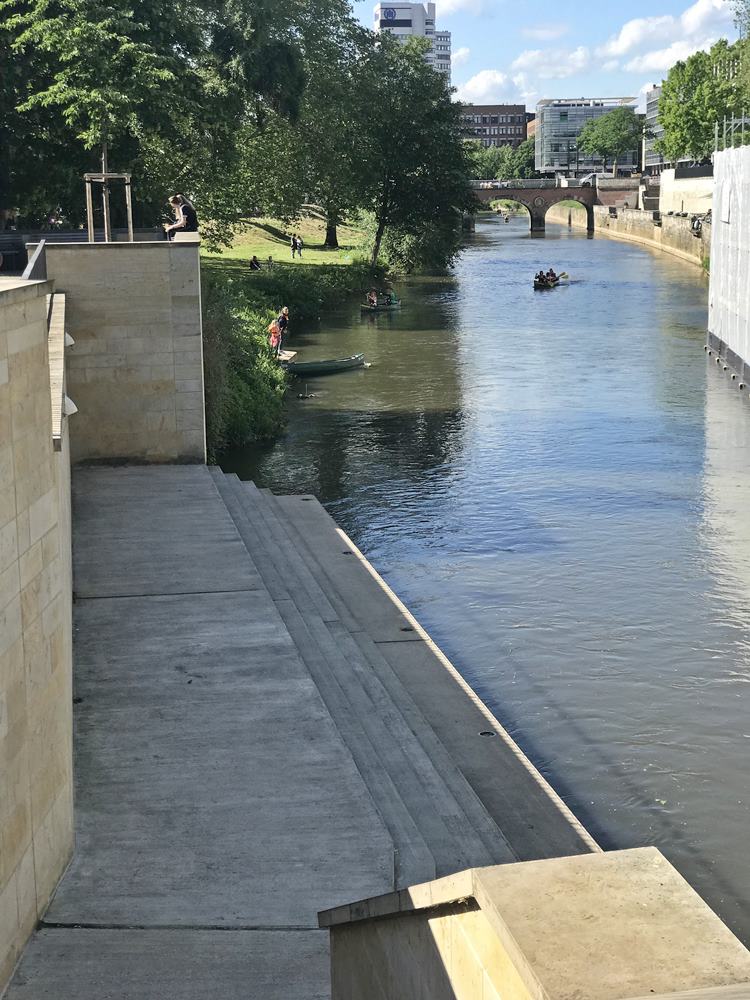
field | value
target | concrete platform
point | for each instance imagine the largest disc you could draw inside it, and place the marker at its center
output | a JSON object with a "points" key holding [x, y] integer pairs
{"points": [[174, 965], [262, 732]]}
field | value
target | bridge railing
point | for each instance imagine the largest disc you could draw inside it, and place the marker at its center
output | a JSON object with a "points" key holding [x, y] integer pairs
{"points": [[518, 184]]}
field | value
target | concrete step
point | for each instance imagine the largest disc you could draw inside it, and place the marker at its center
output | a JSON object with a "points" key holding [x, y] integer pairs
{"points": [[473, 839], [450, 837], [535, 822], [414, 861], [253, 535]]}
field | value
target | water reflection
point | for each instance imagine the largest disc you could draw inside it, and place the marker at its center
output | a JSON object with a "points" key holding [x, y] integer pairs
{"points": [[556, 484]]}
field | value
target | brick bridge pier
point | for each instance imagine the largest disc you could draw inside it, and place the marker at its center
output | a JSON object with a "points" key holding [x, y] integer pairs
{"points": [[537, 199]]}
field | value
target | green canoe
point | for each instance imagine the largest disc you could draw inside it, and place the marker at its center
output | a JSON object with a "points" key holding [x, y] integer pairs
{"points": [[302, 368]]}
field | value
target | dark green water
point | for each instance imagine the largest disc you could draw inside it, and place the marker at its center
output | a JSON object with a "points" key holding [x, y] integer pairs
{"points": [[557, 484]]}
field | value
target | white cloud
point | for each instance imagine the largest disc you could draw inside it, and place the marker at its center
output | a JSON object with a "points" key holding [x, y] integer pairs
{"points": [[661, 60], [490, 86], [553, 64], [460, 57], [656, 36], [546, 33]]}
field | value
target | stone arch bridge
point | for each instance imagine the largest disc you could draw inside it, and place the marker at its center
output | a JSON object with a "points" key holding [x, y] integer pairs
{"points": [[538, 196]]}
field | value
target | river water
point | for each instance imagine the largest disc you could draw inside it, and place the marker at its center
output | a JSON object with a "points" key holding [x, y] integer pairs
{"points": [[556, 483]]}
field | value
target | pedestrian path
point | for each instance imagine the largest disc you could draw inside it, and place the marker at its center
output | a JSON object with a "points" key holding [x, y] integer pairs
{"points": [[262, 732]]}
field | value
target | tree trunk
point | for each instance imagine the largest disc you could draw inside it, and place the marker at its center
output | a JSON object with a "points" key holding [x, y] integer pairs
{"points": [[378, 241], [332, 221]]}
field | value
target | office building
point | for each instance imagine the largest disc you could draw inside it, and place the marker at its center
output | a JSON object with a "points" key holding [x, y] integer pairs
{"points": [[560, 123], [652, 161], [494, 124], [406, 20]]}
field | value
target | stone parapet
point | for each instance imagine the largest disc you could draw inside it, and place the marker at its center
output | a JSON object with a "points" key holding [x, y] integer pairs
{"points": [[136, 370]]}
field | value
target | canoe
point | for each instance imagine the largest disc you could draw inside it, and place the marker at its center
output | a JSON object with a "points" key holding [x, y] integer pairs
{"points": [[385, 307], [559, 280], [302, 368]]}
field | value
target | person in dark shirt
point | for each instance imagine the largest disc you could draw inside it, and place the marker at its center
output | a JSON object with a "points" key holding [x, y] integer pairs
{"points": [[186, 218], [254, 263], [282, 321]]}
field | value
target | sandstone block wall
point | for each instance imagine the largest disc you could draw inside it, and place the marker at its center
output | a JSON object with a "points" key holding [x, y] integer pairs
{"points": [[674, 236], [136, 370], [689, 194], [36, 791]]}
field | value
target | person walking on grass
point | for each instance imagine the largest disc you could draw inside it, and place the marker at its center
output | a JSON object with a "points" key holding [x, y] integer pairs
{"points": [[293, 244], [299, 247]]}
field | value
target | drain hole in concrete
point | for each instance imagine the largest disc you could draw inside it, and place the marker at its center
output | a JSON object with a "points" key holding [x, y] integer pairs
{"points": [[307, 499], [346, 552], [406, 628], [486, 732]]}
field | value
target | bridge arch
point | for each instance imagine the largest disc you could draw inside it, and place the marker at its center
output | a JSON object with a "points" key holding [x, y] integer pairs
{"points": [[537, 198]]}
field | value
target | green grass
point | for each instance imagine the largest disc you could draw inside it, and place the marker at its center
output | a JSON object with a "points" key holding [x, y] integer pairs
{"points": [[270, 238]]}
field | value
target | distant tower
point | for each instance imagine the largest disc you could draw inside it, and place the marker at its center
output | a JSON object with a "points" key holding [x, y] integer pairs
{"points": [[406, 19]]}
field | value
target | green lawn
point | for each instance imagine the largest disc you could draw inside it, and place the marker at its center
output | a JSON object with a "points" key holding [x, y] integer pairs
{"points": [[270, 238]]}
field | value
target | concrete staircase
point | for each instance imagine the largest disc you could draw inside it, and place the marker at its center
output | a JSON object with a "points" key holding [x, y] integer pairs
{"points": [[336, 613]]}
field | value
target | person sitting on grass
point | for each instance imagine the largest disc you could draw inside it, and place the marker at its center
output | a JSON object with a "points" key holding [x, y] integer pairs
{"points": [[254, 263]]}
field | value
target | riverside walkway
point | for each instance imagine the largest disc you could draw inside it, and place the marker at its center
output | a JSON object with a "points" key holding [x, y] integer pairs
{"points": [[262, 732]]}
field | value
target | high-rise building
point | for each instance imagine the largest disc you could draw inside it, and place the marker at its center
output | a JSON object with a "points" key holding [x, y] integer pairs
{"points": [[653, 161], [560, 123], [405, 20], [494, 124]]}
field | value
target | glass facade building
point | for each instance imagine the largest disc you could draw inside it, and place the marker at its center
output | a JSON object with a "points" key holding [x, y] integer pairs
{"points": [[559, 123], [652, 160]]}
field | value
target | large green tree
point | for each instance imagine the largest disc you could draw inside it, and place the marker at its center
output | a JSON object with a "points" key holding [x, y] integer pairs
{"points": [[414, 166], [697, 94], [612, 135]]}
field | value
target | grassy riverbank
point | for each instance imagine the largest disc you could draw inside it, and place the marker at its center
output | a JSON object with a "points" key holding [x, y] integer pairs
{"points": [[244, 384]]}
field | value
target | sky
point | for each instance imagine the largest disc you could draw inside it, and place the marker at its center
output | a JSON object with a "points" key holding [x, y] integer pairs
{"points": [[520, 51]]}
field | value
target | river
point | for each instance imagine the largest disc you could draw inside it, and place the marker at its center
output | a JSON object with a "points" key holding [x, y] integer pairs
{"points": [[556, 483]]}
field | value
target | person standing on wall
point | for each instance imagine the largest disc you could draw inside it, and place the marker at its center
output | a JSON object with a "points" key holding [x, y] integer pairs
{"points": [[186, 218]]}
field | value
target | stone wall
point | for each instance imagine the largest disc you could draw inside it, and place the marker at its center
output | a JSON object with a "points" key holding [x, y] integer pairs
{"points": [[136, 370], [688, 194], [674, 235], [36, 798], [606, 926], [729, 297]]}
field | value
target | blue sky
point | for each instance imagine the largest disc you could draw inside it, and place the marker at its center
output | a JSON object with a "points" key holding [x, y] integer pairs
{"points": [[524, 50]]}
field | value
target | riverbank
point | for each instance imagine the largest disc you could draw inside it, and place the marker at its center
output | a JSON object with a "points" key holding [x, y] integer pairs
{"points": [[673, 234], [244, 385]]}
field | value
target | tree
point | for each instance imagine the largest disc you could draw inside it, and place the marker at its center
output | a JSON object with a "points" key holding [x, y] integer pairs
{"points": [[415, 169], [524, 159], [697, 94], [612, 135]]}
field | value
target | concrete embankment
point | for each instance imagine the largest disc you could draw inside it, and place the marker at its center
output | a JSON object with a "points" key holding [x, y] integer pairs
{"points": [[263, 731], [674, 235]]}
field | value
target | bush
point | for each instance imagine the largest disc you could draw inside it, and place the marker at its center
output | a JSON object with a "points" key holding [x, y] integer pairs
{"points": [[244, 384]]}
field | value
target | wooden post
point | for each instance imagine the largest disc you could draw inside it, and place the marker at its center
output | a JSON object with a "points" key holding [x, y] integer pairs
{"points": [[90, 211], [129, 208], [105, 196]]}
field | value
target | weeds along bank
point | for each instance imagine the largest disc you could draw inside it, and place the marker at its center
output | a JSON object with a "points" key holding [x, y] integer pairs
{"points": [[244, 384]]}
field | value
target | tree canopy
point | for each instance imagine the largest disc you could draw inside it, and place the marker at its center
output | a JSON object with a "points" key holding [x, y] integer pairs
{"points": [[612, 135], [697, 94]]}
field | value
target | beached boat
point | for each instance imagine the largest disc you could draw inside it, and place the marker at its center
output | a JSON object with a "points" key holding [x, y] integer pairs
{"points": [[303, 368], [381, 306]]}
